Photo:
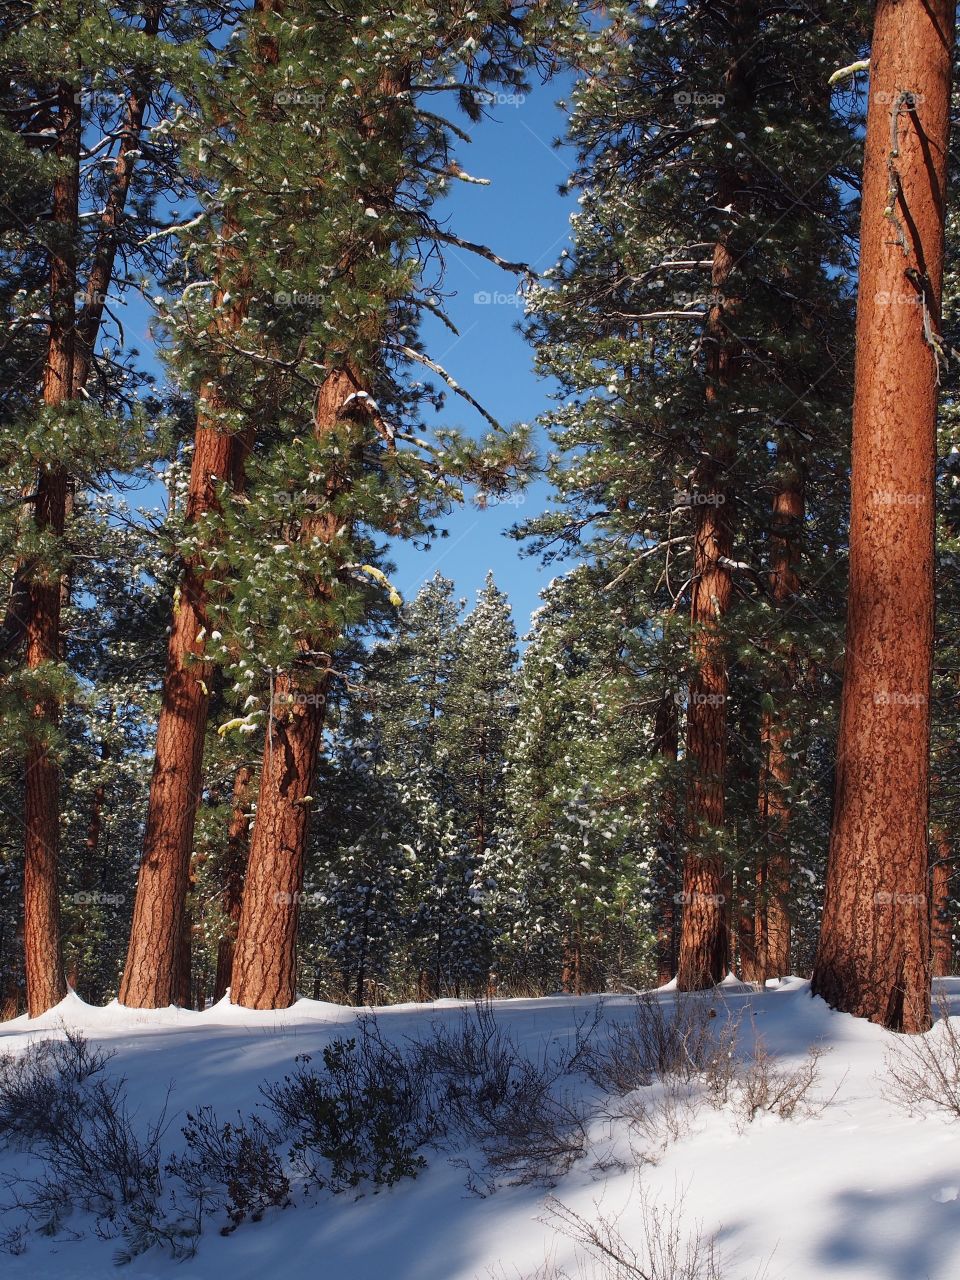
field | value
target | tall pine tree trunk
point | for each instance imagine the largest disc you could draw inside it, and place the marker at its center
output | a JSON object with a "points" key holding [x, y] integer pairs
{"points": [[704, 941], [265, 957], [874, 953], [150, 975], [235, 861], [776, 769], [704, 934], [264, 964], [45, 980]]}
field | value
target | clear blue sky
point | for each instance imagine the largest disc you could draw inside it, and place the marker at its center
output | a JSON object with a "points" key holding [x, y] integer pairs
{"points": [[523, 219]]}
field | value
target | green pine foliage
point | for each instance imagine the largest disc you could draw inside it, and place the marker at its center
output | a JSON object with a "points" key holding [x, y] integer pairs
{"points": [[687, 136]]}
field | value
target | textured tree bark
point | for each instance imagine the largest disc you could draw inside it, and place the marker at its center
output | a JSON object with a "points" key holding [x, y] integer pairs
{"points": [[219, 455], [704, 942], [235, 861], [150, 973], [704, 935], [941, 915], [874, 953], [265, 963], [45, 980], [773, 871]]}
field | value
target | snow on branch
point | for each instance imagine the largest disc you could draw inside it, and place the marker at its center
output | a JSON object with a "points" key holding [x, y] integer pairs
{"points": [[175, 229], [451, 382], [847, 73], [481, 250]]}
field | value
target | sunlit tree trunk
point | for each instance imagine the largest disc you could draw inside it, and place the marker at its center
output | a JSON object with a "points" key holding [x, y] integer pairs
{"points": [[874, 954], [219, 457], [45, 980], [264, 963]]}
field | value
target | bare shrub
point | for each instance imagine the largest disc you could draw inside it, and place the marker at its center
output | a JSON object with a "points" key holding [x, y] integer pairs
{"points": [[487, 1090], [668, 1062], [923, 1071], [661, 1115], [666, 1252], [663, 1040], [233, 1167], [763, 1087], [40, 1087]]}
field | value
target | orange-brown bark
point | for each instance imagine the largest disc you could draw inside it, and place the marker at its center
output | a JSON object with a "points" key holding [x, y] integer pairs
{"points": [[704, 935], [773, 870], [45, 980], [874, 953], [219, 454], [264, 964]]}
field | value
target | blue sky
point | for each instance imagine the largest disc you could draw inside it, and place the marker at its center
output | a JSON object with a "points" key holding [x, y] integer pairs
{"points": [[523, 219]]}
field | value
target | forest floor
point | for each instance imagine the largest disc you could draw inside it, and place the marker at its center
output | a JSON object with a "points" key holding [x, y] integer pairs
{"points": [[853, 1187]]}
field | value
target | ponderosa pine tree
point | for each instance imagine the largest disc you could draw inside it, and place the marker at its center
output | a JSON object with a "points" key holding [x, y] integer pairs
{"points": [[698, 328], [369, 469], [874, 954], [62, 65], [222, 439]]}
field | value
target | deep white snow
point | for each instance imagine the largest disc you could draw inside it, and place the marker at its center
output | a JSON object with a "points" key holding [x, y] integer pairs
{"points": [[863, 1191]]}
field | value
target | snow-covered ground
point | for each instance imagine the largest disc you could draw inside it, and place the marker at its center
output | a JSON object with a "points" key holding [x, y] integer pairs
{"points": [[862, 1191]]}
